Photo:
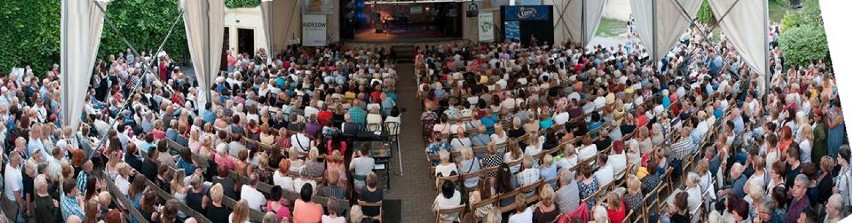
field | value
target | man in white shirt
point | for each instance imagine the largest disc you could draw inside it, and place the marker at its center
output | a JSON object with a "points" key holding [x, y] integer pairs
{"points": [[605, 172], [300, 140], [13, 203], [250, 193]]}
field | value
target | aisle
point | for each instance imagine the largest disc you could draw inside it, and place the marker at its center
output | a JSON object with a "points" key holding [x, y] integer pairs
{"points": [[415, 188]]}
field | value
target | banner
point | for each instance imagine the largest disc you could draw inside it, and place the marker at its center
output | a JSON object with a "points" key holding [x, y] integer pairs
{"points": [[314, 30], [324, 7], [486, 27], [513, 29], [527, 2], [522, 13]]}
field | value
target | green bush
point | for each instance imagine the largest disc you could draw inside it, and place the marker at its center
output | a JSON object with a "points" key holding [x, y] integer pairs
{"points": [[705, 13], [31, 33], [242, 3], [803, 44], [810, 14]]}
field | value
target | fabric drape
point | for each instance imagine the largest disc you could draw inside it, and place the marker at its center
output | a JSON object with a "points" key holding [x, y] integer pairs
{"points": [[81, 27], [740, 26], [205, 24], [570, 27], [670, 19], [266, 7], [833, 14]]}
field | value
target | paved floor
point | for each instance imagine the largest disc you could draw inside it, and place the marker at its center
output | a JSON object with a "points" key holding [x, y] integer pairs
{"points": [[415, 188]]}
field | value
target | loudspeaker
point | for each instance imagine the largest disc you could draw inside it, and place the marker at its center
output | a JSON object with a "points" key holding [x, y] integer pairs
{"points": [[472, 10]]}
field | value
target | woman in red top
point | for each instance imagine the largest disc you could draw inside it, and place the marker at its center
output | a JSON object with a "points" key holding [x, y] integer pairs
{"points": [[616, 210]]}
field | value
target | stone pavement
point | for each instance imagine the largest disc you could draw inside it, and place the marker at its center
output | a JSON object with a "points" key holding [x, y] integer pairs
{"points": [[415, 188]]}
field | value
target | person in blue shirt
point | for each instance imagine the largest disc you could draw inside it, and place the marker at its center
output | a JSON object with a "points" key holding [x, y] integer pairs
{"points": [[489, 120], [209, 115], [69, 203], [438, 144]]}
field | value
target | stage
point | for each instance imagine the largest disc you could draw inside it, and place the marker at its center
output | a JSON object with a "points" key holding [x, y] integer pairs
{"points": [[401, 33]]}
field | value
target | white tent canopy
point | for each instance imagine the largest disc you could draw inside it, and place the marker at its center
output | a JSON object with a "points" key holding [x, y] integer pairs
{"points": [[266, 9], [659, 23], [205, 24], [740, 20], [576, 20], [82, 24]]}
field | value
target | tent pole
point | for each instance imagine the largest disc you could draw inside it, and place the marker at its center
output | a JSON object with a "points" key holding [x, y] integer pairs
{"points": [[654, 35], [583, 24], [768, 75], [207, 56]]}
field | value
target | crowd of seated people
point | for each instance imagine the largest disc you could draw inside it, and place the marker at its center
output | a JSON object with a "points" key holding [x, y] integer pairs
{"points": [[558, 132], [273, 141]]}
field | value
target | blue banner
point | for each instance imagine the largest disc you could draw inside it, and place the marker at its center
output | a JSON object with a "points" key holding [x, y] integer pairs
{"points": [[513, 29], [527, 12]]}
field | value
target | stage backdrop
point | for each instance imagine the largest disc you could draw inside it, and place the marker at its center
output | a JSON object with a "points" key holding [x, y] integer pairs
{"points": [[523, 22], [314, 30], [486, 27]]}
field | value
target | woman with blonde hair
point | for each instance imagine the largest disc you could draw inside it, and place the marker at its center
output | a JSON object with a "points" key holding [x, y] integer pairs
{"points": [[615, 208], [469, 164], [295, 162], [633, 195], [241, 213], [513, 156], [546, 211], [806, 145]]}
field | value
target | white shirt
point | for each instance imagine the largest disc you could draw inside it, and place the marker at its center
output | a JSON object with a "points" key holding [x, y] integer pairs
{"points": [[328, 219], [254, 198], [587, 152], [285, 182], [618, 163], [604, 175], [567, 162], [561, 118], [442, 202], [363, 165], [299, 183], [446, 170], [300, 142], [523, 217], [122, 184], [14, 181], [600, 102]]}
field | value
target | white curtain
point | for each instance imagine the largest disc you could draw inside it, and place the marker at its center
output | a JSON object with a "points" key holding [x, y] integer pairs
{"points": [[594, 11], [81, 27], [835, 15], [570, 27], [205, 25], [266, 8], [670, 19], [741, 26]]}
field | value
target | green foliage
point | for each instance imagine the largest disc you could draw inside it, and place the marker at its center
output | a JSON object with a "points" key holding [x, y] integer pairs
{"points": [[32, 31], [242, 3], [810, 14], [705, 13], [30, 35], [803, 44], [145, 24]]}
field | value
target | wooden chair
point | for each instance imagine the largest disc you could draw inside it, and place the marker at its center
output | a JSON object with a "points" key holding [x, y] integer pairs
{"points": [[377, 204], [459, 210]]}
